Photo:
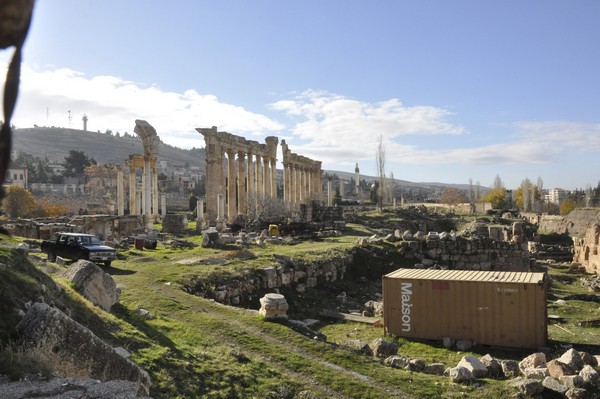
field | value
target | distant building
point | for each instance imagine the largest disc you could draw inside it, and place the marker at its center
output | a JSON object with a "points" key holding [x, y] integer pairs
{"points": [[556, 196], [17, 174]]}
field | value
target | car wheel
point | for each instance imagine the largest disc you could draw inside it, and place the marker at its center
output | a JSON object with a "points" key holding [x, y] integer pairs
{"points": [[51, 257], [107, 263]]}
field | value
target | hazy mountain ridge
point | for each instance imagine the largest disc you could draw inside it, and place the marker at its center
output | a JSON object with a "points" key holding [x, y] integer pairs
{"points": [[55, 144]]}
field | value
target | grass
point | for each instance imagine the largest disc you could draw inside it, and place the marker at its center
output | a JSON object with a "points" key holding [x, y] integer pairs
{"points": [[195, 348]]}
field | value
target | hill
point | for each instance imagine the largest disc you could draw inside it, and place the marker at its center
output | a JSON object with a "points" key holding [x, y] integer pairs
{"points": [[55, 144]]}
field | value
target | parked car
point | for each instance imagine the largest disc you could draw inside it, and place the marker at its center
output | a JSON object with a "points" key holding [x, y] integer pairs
{"points": [[77, 246]]}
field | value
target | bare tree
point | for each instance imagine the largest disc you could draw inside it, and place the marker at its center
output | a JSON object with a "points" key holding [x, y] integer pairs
{"points": [[498, 183], [471, 191], [380, 163]]}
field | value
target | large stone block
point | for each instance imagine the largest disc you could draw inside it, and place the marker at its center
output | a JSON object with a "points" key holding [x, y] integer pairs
{"points": [[73, 350]]}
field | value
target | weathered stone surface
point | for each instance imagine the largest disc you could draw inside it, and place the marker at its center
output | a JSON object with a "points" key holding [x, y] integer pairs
{"points": [[397, 362], [589, 375], [474, 365], [415, 365], [556, 369], [382, 348], [360, 346], [493, 366], [529, 387], [69, 388], [273, 306], [577, 393], [587, 358], [572, 359], [60, 342], [534, 360], [572, 381], [434, 369], [554, 385], [460, 375], [510, 368], [93, 283], [587, 248], [538, 373]]}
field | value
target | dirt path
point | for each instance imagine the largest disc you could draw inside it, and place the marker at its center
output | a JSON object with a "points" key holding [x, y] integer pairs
{"points": [[285, 346]]}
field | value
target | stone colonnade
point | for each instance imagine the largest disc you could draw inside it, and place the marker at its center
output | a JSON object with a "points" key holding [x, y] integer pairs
{"points": [[302, 178], [252, 178], [142, 200]]}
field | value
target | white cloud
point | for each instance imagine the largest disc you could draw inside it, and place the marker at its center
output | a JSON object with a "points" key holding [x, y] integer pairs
{"points": [[113, 103]]}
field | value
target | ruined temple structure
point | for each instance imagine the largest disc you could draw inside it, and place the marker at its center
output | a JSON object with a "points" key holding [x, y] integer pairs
{"points": [[242, 182], [143, 198], [253, 178], [302, 178]]}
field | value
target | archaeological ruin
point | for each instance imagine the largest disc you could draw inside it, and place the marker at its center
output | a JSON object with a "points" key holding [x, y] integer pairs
{"points": [[234, 186]]}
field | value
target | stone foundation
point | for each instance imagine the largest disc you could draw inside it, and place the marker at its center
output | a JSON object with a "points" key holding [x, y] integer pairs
{"points": [[587, 250]]}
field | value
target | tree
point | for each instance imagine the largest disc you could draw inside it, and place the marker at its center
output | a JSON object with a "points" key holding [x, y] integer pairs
{"points": [[76, 163], [497, 197], [452, 196], [380, 164], [498, 183], [567, 206], [527, 196], [471, 191], [18, 202]]}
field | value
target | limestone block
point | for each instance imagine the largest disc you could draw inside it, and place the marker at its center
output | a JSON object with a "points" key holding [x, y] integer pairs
{"points": [[474, 365], [94, 284], [553, 385], [510, 368], [434, 369], [529, 387], [269, 277], [589, 375], [572, 359], [273, 306], [59, 342], [460, 375], [557, 369], [494, 368], [572, 381], [382, 348], [537, 373], [577, 393], [396, 362], [532, 361]]}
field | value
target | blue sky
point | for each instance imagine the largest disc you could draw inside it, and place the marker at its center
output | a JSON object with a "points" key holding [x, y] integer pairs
{"points": [[456, 89]]}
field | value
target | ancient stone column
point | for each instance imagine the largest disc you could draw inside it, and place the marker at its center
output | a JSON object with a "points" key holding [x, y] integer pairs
{"points": [[132, 191], [259, 178], [286, 183], [231, 203], [328, 191], [163, 205], [199, 215], [301, 185], [220, 222], [155, 192], [147, 191], [120, 192], [266, 177], [214, 168], [250, 176], [273, 178], [241, 189]]}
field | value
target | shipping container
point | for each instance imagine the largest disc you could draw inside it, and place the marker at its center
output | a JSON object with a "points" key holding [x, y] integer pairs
{"points": [[506, 309]]}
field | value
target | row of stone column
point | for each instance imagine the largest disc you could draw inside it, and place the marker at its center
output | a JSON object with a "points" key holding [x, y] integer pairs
{"points": [[244, 180], [302, 178], [142, 200]]}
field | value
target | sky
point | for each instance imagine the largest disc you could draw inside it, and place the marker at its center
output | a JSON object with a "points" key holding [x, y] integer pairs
{"points": [[455, 90]]}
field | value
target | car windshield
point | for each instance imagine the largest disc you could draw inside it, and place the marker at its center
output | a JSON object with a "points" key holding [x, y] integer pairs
{"points": [[87, 240]]}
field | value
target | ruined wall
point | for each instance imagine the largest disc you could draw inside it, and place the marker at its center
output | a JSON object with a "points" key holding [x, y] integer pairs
{"points": [[468, 253], [551, 223], [586, 250], [575, 223], [286, 273]]}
